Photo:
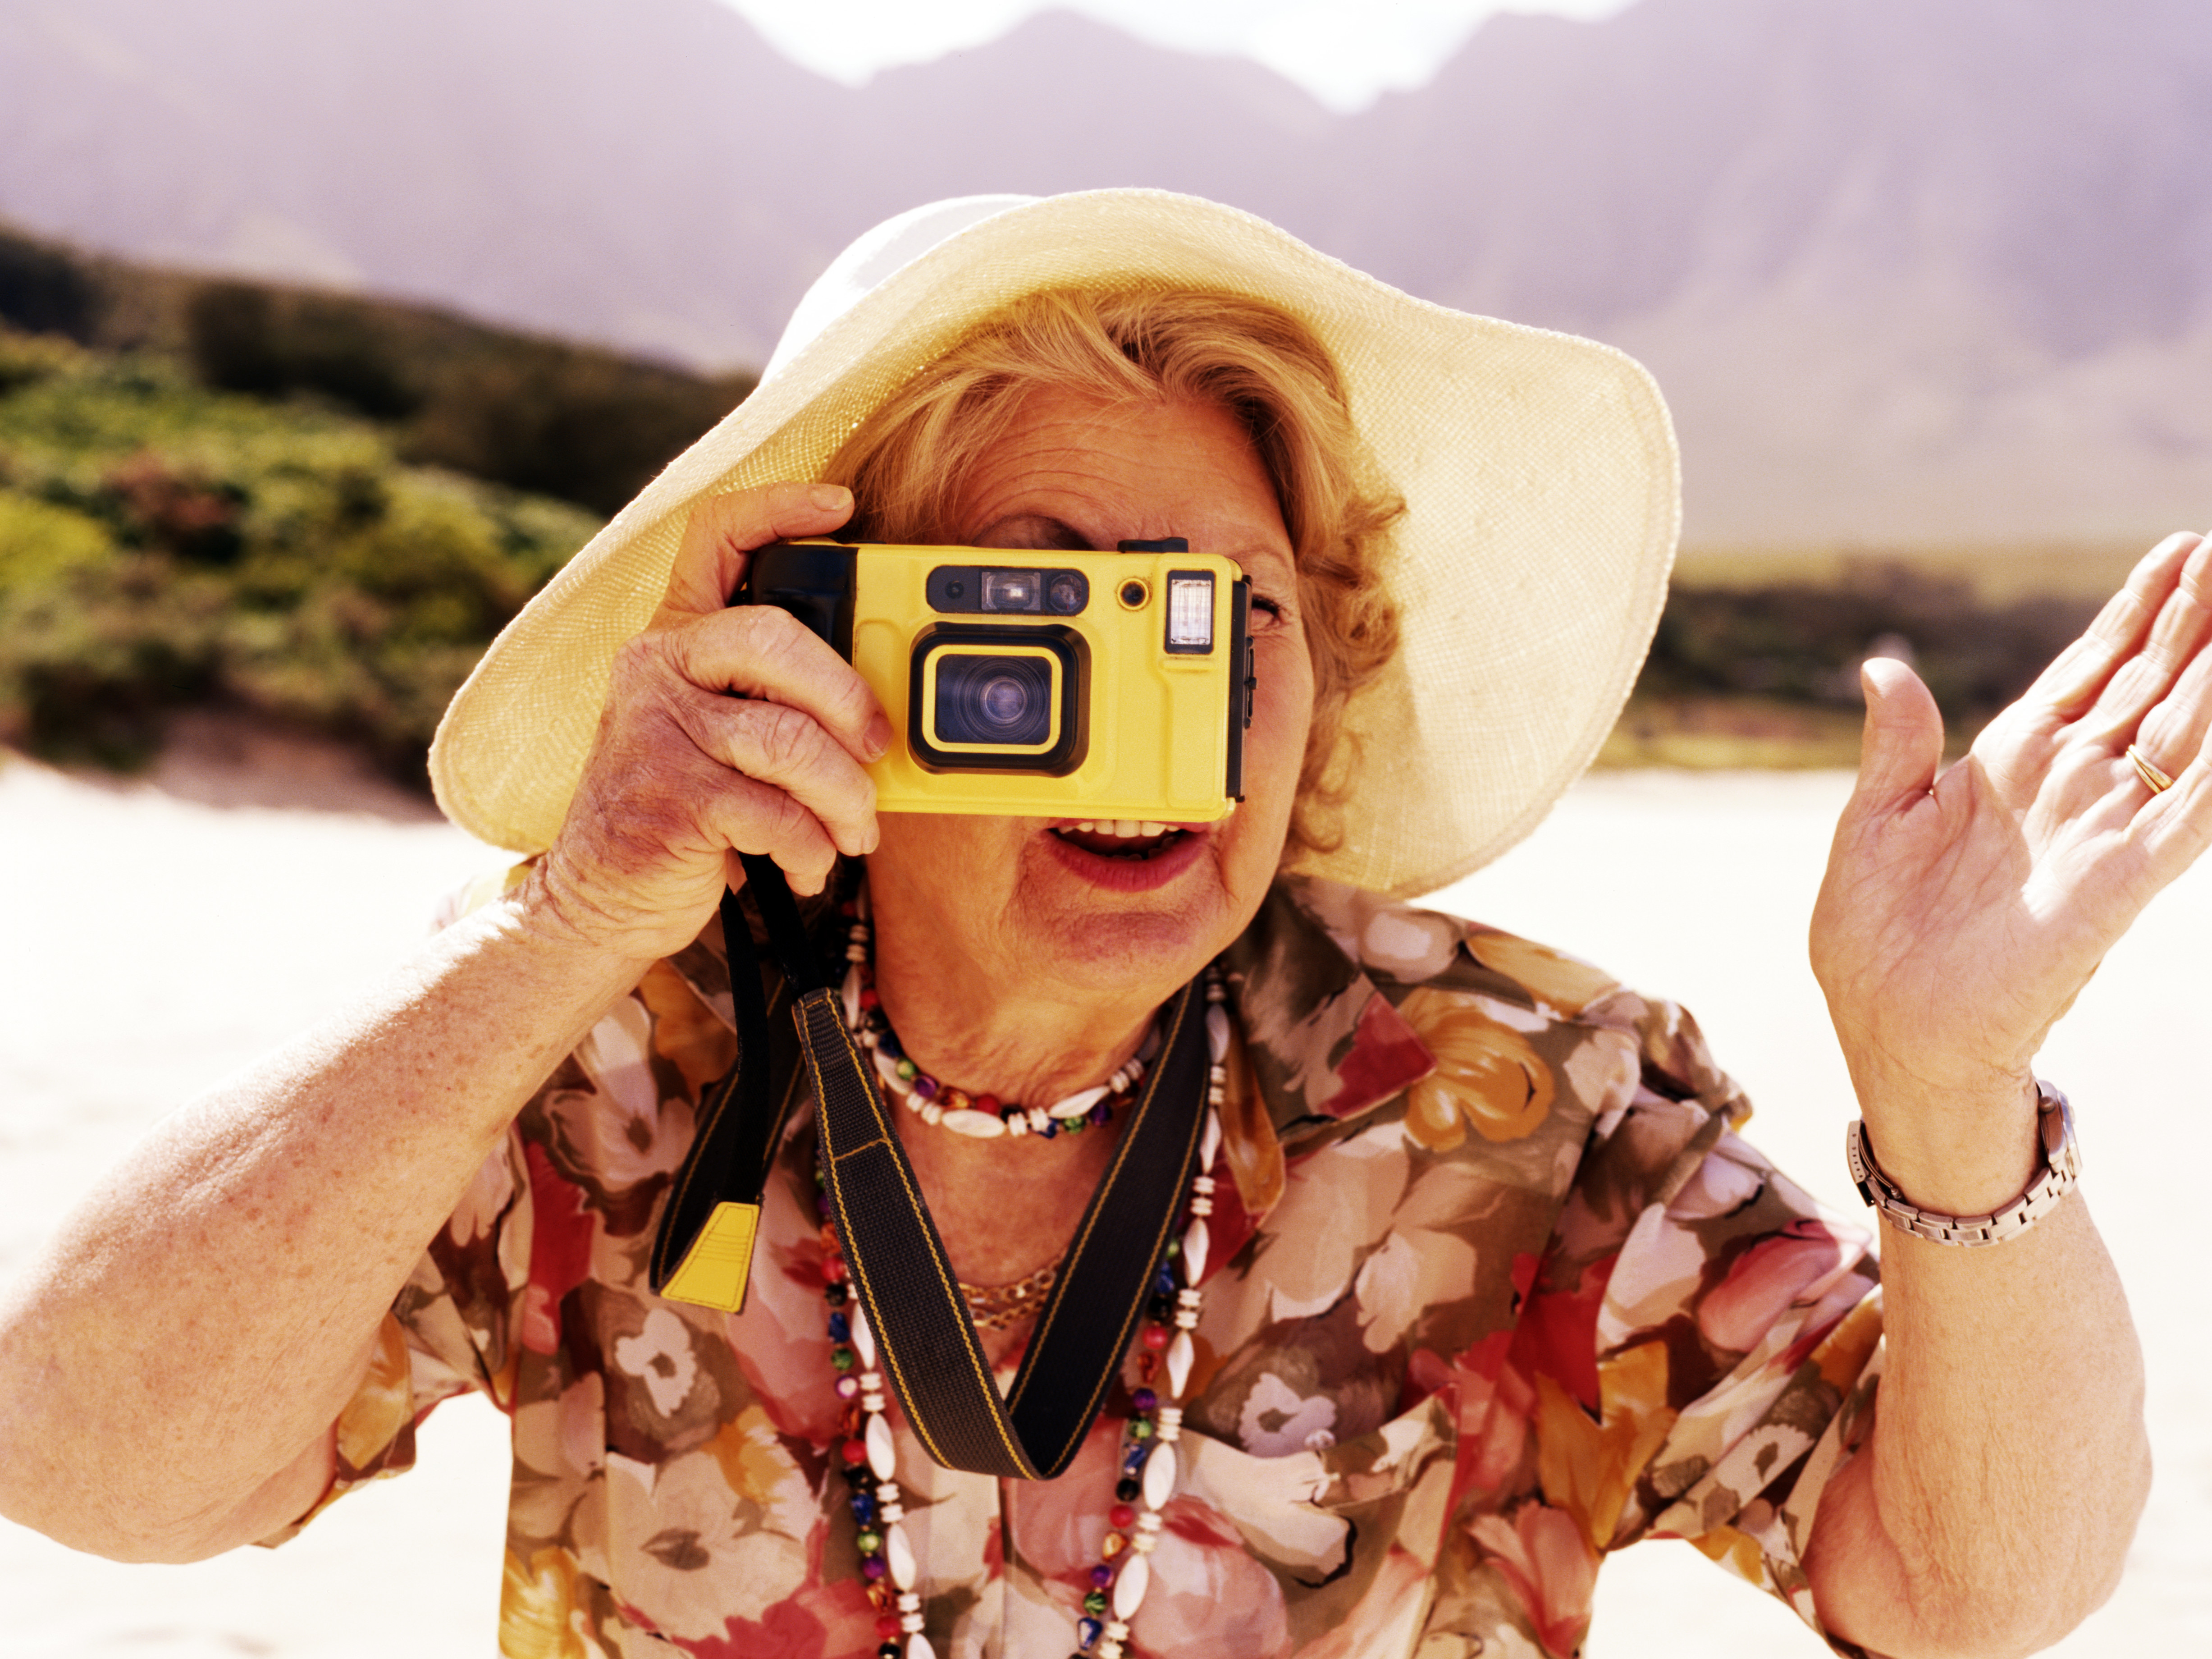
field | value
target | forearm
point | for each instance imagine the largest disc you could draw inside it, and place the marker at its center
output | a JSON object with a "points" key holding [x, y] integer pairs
{"points": [[193, 1329], [2008, 1462]]}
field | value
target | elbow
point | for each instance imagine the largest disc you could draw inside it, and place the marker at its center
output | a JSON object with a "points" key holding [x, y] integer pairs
{"points": [[2037, 1608], [140, 1541], [78, 1520], [94, 1506], [2101, 1573], [132, 1522], [2102, 1556]]}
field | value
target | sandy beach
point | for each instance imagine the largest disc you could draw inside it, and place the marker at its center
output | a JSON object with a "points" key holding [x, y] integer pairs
{"points": [[160, 934]]}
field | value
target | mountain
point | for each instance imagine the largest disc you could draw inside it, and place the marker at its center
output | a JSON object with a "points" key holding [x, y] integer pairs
{"points": [[1904, 267], [648, 173], [1908, 269]]}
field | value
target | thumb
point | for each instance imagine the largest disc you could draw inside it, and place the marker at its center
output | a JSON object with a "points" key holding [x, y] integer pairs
{"points": [[1903, 744]]}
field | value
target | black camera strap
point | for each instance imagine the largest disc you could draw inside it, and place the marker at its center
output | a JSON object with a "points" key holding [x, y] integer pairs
{"points": [[898, 1263], [703, 1250]]}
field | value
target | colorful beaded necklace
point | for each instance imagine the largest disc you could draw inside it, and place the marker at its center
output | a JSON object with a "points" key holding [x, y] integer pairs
{"points": [[1164, 1357], [984, 1117]]}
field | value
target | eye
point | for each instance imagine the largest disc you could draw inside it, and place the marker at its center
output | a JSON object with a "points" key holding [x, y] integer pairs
{"points": [[1270, 608]]}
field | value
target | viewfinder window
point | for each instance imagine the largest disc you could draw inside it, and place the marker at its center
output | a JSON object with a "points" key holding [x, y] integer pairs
{"points": [[1012, 590], [1190, 611]]}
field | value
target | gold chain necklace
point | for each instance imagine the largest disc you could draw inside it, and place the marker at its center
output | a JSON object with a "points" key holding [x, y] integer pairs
{"points": [[995, 1307]]}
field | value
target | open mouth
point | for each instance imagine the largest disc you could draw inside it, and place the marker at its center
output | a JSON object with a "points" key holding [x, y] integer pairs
{"points": [[1126, 838]]}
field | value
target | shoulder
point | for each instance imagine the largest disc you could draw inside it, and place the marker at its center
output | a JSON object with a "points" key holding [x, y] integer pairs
{"points": [[1424, 959], [1404, 945], [1509, 1025]]}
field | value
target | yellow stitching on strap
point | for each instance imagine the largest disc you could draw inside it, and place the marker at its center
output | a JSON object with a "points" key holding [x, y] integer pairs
{"points": [[715, 1269], [979, 1368], [1142, 1107]]}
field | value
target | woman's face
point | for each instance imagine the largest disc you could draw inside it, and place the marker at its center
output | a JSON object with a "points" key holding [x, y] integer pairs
{"points": [[1035, 901]]}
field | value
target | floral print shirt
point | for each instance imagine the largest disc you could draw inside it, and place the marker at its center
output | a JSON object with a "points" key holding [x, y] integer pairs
{"points": [[1493, 1289]]}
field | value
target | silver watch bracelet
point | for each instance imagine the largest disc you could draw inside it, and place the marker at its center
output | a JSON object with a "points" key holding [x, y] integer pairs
{"points": [[2062, 1168]]}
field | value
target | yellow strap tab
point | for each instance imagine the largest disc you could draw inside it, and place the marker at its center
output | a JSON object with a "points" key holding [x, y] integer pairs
{"points": [[714, 1271]]}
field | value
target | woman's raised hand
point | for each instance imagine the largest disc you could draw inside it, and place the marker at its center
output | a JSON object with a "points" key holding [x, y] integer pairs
{"points": [[1961, 914], [725, 729]]}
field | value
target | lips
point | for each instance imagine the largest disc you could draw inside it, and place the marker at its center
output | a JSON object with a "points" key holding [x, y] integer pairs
{"points": [[1127, 854]]}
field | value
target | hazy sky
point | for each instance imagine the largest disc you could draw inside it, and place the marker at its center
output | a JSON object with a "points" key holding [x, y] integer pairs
{"points": [[1345, 51]]}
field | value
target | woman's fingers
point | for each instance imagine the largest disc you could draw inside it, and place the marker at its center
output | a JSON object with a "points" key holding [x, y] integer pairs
{"points": [[2086, 668], [723, 529], [1904, 741], [760, 656], [750, 816], [756, 692], [2177, 821], [757, 651], [722, 729], [2178, 630], [790, 752], [2170, 735]]}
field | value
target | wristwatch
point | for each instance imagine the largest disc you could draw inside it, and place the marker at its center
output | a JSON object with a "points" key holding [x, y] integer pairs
{"points": [[2062, 1168]]}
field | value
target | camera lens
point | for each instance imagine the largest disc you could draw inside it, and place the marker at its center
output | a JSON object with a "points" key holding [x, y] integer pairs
{"points": [[1004, 700], [1065, 593]]}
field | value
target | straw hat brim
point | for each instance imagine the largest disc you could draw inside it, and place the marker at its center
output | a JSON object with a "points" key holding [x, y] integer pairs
{"points": [[1539, 471]]}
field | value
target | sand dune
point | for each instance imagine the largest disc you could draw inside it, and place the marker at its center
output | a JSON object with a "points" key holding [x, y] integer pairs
{"points": [[157, 938]]}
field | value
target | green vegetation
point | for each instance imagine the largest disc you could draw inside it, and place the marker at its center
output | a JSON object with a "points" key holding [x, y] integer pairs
{"points": [[162, 545], [312, 507], [541, 415], [46, 291], [1756, 660]]}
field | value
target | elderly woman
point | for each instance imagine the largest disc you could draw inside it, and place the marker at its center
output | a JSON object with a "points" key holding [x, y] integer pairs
{"points": [[1475, 1282]]}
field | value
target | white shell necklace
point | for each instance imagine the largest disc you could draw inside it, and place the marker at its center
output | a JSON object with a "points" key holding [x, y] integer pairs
{"points": [[984, 1117], [1161, 1361]]}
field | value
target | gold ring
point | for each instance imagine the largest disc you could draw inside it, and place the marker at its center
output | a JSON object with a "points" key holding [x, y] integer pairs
{"points": [[2156, 781]]}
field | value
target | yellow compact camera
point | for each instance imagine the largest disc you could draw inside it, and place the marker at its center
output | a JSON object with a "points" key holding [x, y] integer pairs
{"points": [[1037, 684]]}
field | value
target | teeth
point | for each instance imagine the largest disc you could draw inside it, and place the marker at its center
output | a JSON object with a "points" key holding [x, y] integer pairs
{"points": [[1124, 827], [1089, 826], [1150, 828], [1127, 829]]}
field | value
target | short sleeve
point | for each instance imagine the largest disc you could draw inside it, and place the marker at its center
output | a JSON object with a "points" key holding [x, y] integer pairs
{"points": [[1705, 1342]]}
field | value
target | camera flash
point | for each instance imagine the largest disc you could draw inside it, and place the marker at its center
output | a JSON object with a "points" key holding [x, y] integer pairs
{"points": [[1190, 612]]}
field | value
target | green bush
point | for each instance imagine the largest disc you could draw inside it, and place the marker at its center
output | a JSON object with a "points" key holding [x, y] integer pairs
{"points": [[41, 543], [1804, 643], [26, 359], [579, 425], [92, 662], [315, 506], [242, 338], [162, 546], [583, 425], [45, 289]]}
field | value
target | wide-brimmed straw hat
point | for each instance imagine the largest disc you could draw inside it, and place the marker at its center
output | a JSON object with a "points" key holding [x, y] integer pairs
{"points": [[1539, 473]]}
